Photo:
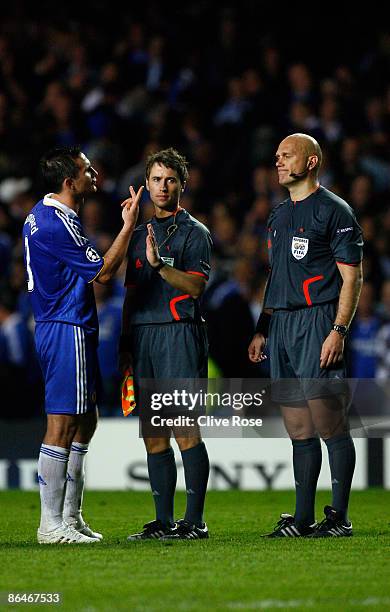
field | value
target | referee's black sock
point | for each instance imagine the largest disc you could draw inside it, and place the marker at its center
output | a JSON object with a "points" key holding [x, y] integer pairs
{"points": [[307, 458], [342, 458], [162, 476], [196, 471]]}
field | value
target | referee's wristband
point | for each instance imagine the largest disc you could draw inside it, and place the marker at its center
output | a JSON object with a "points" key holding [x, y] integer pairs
{"points": [[160, 265], [263, 323], [124, 343]]}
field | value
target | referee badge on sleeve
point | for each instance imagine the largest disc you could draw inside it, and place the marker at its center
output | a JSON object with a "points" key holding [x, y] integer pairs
{"points": [[168, 260], [299, 247]]}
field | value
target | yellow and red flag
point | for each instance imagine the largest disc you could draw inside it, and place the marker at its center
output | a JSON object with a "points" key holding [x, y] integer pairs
{"points": [[128, 397]]}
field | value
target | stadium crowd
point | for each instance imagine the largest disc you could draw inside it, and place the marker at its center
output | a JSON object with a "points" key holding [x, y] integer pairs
{"points": [[125, 87]]}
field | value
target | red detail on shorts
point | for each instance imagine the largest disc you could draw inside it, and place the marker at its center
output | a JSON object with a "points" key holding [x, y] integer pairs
{"points": [[129, 285], [306, 284], [172, 306], [269, 243], [343, 263], [197, 273], [138, 263]]}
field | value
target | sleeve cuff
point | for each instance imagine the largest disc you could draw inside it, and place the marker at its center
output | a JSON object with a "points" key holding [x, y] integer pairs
{"points": [[345, 263], [197, 273], [97, 274]]}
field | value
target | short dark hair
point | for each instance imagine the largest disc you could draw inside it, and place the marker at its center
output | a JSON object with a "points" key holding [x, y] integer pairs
{"points": [[59, 164], [170, 158]]}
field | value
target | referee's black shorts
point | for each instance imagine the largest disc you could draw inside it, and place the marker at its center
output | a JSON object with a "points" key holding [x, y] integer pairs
{"points": [[170, 350], [168, 358], [295, 343]]}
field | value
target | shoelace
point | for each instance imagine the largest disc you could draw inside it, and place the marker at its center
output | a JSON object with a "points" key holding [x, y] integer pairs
{"points": [[152, 527], [326, 524], [184, 528], [283, 522]]}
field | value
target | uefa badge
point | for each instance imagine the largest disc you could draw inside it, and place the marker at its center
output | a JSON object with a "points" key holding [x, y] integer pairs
{"points": [[299, 247], [92, 255]]}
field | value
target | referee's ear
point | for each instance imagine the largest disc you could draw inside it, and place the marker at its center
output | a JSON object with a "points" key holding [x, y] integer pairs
{"points": [[313, 162]]}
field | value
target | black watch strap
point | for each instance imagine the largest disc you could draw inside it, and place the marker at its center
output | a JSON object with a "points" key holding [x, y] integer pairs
{"points": [[160, 265]]}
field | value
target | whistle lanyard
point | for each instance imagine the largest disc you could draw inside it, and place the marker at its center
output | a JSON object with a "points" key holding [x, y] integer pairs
{"points": [[171, 229]]}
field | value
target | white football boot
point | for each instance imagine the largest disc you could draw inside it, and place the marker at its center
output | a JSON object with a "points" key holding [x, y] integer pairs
{"points": [[82, 527], [65, 534]]}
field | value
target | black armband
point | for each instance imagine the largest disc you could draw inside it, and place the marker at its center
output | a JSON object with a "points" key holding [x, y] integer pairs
{"points": [[262, 326], [124, 343], [160, 265]]}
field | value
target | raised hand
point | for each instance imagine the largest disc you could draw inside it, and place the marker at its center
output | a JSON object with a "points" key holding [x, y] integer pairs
{"points": [[130, 207], [152, 253]]}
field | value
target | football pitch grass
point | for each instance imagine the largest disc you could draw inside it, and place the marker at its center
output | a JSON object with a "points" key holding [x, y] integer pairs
{"points": [[234, 570]]}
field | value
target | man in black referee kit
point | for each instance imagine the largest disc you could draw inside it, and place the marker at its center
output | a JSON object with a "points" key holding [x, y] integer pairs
{"points": [[315, 251], [163, 336]]}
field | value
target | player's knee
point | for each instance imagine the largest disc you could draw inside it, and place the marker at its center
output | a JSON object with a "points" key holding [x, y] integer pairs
{"points": [[300, 432], [186, 443], [61, 430], [86, 426], [330, 430], [156, 445]]}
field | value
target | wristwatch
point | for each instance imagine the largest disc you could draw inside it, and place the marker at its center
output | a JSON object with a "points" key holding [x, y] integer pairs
{"points": [[340, 329]]}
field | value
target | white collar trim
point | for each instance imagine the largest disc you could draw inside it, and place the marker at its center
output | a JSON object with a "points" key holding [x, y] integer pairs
{"points": [[49, 201]]}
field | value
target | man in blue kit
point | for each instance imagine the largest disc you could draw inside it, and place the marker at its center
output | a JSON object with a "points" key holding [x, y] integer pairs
{"points": [[163, 336], [61, 265], [315, 251]]}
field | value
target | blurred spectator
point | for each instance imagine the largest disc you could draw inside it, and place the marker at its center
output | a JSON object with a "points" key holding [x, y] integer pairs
{"points": [[20, 380], [109, 310], [384, 305], [230, 324], [383, 347], [363, 336]]}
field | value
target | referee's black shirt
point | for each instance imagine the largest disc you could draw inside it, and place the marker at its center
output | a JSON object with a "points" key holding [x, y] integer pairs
{"points": [[305, 241], [187, 249]]}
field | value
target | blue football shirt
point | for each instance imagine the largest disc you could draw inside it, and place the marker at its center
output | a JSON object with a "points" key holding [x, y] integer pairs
{"points": [[61, 264]]}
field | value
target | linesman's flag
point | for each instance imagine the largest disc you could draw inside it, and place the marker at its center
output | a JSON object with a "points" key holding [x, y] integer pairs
{"points": [[128, 397]]}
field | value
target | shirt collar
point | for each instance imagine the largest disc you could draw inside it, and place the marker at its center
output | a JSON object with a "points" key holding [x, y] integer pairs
{"points": [[49, 201], [180, 213]]}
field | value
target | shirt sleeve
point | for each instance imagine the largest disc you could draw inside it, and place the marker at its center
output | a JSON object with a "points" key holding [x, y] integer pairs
{"points": [[75, 250], [197, 252], [346, 237]]}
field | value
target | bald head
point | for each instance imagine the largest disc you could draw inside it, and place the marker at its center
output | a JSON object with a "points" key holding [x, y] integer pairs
{"points": [[307, 146]]}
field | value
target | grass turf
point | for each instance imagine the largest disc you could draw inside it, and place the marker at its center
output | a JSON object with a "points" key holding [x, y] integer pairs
{"points": [[233, 570]]}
